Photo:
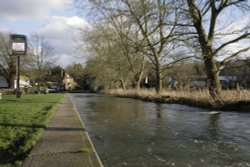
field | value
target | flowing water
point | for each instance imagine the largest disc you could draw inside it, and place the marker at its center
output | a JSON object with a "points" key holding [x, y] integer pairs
{"points": [[132, 133]]}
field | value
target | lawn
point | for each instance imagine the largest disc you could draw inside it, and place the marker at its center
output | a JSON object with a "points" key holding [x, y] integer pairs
{"points": [[22, 122]]}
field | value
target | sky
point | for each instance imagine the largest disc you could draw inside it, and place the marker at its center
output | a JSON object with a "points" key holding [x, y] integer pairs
{"points": [[59, 23], [54, 20]]}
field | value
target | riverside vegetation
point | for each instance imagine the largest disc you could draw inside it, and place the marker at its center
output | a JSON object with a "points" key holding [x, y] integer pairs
{"points": [[22, 122], [230, 100]]}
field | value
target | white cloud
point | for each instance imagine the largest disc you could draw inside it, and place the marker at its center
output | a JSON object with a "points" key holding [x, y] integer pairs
{"points": [[58, 27], [30, 9], [4, 30], [67, 59], [63, 34]]}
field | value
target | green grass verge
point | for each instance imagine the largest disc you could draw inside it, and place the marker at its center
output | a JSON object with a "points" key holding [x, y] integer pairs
{"points": [[22, 122]]}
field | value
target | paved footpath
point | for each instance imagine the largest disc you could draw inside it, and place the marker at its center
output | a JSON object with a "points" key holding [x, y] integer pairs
{"points": [[64, 142]]}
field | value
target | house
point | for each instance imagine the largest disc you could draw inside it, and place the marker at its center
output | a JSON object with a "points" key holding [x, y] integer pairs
{"points": [[228, 82], [3, 82], [198, 82], [69, 82], [24, 82]]}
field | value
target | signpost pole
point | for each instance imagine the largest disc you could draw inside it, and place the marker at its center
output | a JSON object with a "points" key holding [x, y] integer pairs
{"points": [[18, 93], [18, 44]]}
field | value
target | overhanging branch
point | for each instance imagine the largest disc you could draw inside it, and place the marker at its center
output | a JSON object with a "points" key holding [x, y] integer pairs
{"points": [[244, 36], [228, 59]]}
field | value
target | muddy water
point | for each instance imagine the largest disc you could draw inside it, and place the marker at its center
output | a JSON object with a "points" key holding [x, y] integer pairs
{"points": [[128, 132]]}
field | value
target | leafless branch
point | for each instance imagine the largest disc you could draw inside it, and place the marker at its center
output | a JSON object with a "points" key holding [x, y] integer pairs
{"points": [[243, 36]]}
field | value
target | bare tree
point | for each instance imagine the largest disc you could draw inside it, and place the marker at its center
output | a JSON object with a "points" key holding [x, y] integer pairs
{"points": [[41, 55], [7, 62], [215, 33], [108, 57], [128, 41], [115, 44], [155, 22]]}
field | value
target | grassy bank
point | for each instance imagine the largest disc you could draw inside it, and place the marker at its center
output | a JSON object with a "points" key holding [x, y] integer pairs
{"points": [[22, 122], [231, 100]]}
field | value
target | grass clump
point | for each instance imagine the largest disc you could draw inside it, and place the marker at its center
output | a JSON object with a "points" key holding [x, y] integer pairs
{"points": [[22, 122], [85, 150]]}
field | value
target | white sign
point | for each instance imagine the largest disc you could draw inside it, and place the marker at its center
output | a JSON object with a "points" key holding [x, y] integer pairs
{"points": [[18, 46]]}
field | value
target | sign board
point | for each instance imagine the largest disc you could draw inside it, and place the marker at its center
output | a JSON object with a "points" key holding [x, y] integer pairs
{"points": [[18, 47], [18, 44]]}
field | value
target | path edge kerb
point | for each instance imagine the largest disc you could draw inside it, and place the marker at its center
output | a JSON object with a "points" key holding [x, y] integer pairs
{"points": [[87, 134]]}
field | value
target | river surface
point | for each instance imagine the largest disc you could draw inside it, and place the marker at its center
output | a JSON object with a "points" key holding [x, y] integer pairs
{"points": [[132, 133]]}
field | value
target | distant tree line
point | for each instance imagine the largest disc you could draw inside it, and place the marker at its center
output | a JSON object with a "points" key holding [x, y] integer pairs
{"points": [[128, 39]]}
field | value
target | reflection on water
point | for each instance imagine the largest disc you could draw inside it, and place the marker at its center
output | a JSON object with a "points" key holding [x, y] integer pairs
{"points": [[128, 132], [159, 109], [214, 126]]}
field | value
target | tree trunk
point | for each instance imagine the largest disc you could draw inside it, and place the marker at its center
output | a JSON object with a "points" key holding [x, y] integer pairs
{"points": [[11, 81], [138, 81], [158, 86], [138, 85], [213, 82], [123, 84], [10, 74]]}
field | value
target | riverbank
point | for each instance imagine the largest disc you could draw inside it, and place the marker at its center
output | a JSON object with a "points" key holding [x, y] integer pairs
{"points": [[231, 100], [22, 122]]}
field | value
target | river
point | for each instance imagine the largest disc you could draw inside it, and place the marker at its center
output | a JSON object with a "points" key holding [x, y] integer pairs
{"points": [[133, 133]]}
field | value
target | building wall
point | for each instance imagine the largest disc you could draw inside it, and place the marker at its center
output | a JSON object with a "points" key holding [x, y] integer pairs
{"points": [[3, 82], [69, 82]]}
